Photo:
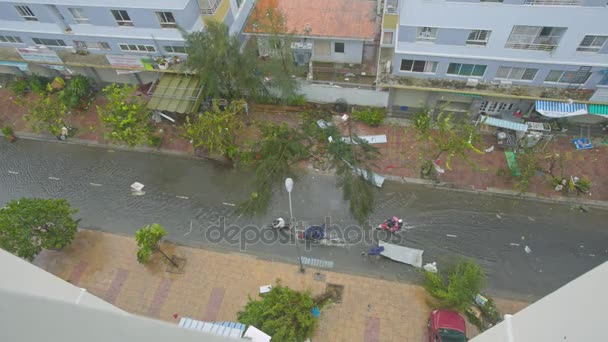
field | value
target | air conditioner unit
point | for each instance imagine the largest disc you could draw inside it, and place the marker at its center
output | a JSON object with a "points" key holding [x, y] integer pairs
{"points": [[506, 84], [472, 82]]}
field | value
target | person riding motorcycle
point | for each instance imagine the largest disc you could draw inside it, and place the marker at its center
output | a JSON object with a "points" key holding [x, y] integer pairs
{"points": [[279, 223]]}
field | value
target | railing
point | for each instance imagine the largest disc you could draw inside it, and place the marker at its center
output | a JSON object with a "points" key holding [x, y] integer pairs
{"points": [[208, 7], [527, 42], [553, 2], [391, 7], [526, 46]]}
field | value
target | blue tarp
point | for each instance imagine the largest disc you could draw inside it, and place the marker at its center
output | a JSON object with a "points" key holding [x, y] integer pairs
{"points": [[554, 109]]}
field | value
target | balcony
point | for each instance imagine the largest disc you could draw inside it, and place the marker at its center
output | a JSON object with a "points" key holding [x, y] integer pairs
{"points": [[391, 7], [208, 7], [214, 9], [553, 2]]}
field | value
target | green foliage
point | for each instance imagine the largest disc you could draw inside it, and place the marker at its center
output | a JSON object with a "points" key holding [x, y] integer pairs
{"points": [[370, 116], [456, 287], [489, 316], [583, 185], [125, 115], [215, 56], [46, 113], [38, 84], [77, 91], [277, 151], [353, 162], [456, 137], [311, 128], [284, 314], [19, 86], [8, 131], [29, 225], [155, 141], [528, 164], [296, 100], [148, 241], [216, 130]]}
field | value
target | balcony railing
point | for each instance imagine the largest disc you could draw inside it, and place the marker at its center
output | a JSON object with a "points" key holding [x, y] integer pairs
{"points": [[391, 6], [527, 46], [208, 7], [529, 42], [553, 2]]}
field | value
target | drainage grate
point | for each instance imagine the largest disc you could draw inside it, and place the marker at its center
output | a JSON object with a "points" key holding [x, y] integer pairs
{"points": [[317, 262]]}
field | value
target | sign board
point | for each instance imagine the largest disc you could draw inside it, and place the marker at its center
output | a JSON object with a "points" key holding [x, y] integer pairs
{"points": [[125, 61], [39, 55], [20, 65]]}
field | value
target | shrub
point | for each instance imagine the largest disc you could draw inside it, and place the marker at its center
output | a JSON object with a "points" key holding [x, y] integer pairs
{"points": [[583, 185], [8, 131], [76, 92], [38, 84], [370, 116], [19, 87], [296, 100], [456, 288]]}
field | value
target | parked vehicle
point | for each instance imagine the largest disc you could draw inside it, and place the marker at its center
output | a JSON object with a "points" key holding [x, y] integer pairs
{"points": [[446, 326], [392, 224]]}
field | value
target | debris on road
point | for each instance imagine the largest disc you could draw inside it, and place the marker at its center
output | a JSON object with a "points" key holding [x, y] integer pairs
{"points": [[528, 249], [430, 267], [406, 255], [136, 189]]}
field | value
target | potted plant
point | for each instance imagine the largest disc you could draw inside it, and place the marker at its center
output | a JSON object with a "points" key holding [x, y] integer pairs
{"points": [[9, 133], [162, 64]]}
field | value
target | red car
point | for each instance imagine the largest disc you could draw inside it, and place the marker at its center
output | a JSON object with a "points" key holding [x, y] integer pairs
{"points": [[446, 326]]}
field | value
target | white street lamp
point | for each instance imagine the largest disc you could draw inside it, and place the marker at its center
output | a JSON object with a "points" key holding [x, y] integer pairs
{"points": [[289, 188]]}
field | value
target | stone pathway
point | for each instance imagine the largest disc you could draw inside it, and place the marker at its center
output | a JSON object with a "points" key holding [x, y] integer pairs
{"points": [[215, 286]]}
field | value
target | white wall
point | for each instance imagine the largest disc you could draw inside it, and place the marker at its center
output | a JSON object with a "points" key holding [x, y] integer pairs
{"points": [[329, 94], [353, 52]]}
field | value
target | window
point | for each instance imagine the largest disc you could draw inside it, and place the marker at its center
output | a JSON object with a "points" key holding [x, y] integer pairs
{"points": [[495, 107], [592, 43], [26, 13], [604, 80], [387, 38], [418, 66], [137, 48], [560, 76], [10, 39], [339, 47], [478, 37], [78, 15], [92, 45], [525, 74], [48, 42], [535, 37], [476, 70], [122, 18], [175, 49], [426, 34], [166, 19]]}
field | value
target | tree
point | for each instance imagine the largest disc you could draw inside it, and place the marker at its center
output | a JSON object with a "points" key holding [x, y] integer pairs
{"points": [[284, 314], [125, 115], [279, 148], [353, 159], [29, 225], [216, 130], [455, 137], [221, 67], [148, 240], [76, 92], [280, 67], [46, 113], [457, 286]]}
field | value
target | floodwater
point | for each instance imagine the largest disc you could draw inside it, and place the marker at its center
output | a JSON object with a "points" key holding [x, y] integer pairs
{"points": [[195, 201]]}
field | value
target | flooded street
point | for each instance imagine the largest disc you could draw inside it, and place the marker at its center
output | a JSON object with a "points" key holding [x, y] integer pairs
{"points": [[191, 198]]}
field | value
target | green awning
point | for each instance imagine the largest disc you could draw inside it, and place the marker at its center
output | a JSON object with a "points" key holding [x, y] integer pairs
{"points": [[598, 109], [176, 93]]}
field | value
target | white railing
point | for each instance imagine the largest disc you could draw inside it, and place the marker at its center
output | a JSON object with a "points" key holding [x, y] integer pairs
{"points": [[208, 7], [529, 42], [391, 7], [553, 2]]}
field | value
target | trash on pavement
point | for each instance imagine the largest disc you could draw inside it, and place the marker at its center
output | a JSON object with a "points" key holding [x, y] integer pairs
{"points": [[375, 250], [406, 255], [265, 289], [324, 124], [480, 300], [489, 149], [316, 312], [528, 249], [137, 186], [430, 267]]}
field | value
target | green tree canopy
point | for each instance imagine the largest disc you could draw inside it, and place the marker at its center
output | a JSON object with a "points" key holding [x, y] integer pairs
{"points": [[46, 113], [457, 285], [284, 314], [29, 225], [125, 115], [216, 130], [215, 56], [76, 92], [148, 240]]}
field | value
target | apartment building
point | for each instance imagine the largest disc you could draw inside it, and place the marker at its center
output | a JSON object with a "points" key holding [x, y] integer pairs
{"points": [[39, 29]]}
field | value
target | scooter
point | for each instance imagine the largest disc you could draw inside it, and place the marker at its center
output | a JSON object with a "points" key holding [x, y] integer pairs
{"points": [[392, 224], [279, 224]]}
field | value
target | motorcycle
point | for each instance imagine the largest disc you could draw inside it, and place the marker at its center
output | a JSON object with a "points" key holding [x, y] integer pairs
{"points": [[392, 224], [279, 224]]}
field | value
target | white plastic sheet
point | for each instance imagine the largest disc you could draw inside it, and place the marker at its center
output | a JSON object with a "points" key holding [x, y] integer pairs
{"points": [[406, 255]]}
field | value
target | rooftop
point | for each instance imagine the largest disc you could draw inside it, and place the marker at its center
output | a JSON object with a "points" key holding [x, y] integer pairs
{"points": [[350, 19]]}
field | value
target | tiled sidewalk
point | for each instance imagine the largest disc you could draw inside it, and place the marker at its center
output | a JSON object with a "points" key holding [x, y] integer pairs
{"points": [[215, 286]]}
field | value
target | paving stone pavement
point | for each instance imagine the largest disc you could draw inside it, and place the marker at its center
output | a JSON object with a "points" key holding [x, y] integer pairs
{"points": [[215, 286]]}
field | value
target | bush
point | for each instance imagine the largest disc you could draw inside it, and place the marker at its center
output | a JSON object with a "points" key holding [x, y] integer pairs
{"points": [[8, 131], [370, 116], [296, 100], [77, 91], [19, 87], [456, 288], [283, 313], [583, 185], [38, 84]]}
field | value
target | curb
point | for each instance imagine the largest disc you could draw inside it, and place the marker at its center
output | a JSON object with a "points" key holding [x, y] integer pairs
{"points": [[505, 193]]}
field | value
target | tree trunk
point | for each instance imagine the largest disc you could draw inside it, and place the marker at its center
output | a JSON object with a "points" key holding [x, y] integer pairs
{"points": [[166, 256]]}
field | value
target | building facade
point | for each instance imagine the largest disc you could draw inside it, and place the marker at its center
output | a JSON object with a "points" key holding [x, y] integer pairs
{"points": [[147, 27], [549, 43]]}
